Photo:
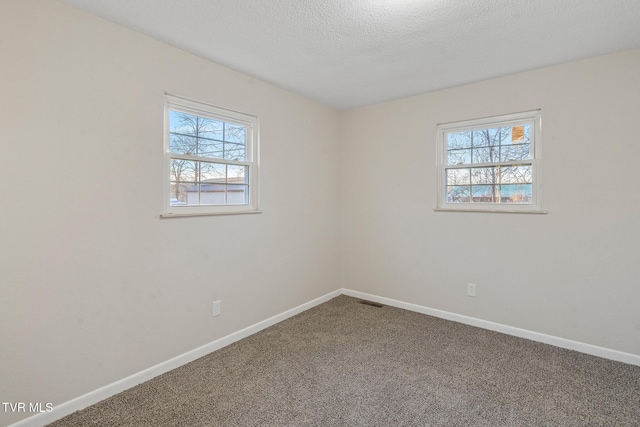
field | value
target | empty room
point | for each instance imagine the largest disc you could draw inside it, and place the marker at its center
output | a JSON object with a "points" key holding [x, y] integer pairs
{"points": [[319, 213]]}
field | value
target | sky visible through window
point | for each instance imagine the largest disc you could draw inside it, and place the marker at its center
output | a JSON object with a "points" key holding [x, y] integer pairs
{"points": [[197, 181], [490, 165]]}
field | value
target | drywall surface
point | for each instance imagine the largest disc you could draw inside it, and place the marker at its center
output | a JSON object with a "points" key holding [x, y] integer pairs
{"points": [[572, 273], [95, 285]]}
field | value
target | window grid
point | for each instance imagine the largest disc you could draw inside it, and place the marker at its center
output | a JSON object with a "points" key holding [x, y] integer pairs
{"points": [[490, 164], [209, 158]]}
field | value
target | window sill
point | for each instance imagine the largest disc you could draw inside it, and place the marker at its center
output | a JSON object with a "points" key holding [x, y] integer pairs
{"points": [[186, 215], [512, 211]]}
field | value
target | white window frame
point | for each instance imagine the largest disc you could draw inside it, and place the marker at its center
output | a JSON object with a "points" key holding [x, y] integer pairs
{"points": [[534, 118], [174, 103]]}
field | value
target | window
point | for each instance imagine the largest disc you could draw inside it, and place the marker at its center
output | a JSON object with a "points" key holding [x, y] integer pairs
{"points": [[211, 160], [490, 164]]}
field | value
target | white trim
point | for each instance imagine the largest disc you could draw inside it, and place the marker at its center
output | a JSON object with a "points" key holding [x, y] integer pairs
{"points": [[594, 350], [165, 216], [107, 391]]}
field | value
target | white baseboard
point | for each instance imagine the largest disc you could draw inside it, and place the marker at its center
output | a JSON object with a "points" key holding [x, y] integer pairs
{"points": [[593, 350], [107, 391]]}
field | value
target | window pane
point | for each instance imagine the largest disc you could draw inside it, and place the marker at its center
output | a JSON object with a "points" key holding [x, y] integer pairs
{"points": [[211, 129], [181, 123], [237, 194], [181, 144], [516, 175], [484, 193], [212, 194], [212, 188], [515, 152], [182, 170], [517, 193], [235, 151], [484, 175], [458, 194], [487, 137], [458, 176], [519, 134], [210, 148], [202, 136], [459, 157], [193, 125], [212, 172], [235, 133], [458, 140], [485, 154], [179, 193], [237, 174]]}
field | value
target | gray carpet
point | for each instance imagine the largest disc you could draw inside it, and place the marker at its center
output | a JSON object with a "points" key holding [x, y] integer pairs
{"points": [[349, 364]]}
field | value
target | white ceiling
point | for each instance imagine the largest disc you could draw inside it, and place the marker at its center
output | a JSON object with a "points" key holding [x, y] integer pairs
{"points": [[350, 53]]}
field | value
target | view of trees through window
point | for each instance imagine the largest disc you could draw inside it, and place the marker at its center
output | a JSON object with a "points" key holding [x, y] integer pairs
{"points": [[205, 153], [491, 165]]}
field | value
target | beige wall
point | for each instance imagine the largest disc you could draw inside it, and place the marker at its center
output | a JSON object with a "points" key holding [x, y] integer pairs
{"points": [[95, 287], [573, 273]]}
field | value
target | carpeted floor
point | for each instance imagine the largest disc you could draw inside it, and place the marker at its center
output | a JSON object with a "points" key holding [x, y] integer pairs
{"points": [[349, 364]]}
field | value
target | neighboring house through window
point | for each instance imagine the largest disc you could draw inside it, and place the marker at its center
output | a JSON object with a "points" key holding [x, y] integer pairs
{"points": [[490, 164], [211, 159]]}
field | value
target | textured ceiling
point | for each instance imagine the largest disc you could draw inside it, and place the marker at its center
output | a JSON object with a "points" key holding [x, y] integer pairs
{"points": [[350, 53]]}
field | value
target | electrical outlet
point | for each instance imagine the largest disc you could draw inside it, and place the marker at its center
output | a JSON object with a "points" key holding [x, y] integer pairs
{"points": [[471, 289], [217, 308]]}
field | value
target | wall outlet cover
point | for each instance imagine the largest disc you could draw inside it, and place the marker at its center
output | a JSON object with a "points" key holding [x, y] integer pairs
{"points": [[471, 289], [217, 308]]}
